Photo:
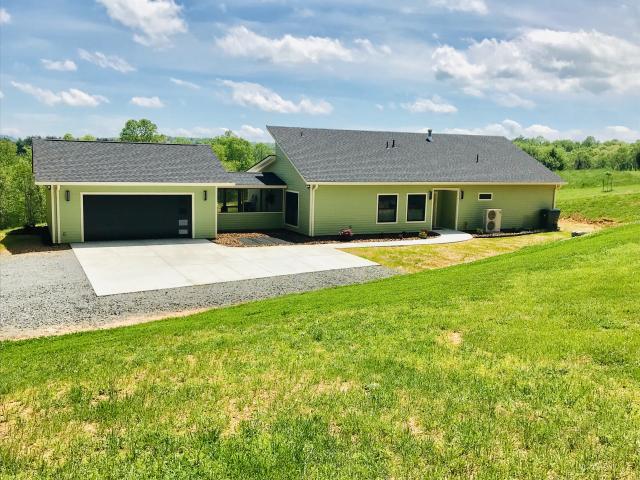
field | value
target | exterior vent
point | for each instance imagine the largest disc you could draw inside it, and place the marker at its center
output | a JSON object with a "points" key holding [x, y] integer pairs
{"points": [[492, 220], [429, 137]]}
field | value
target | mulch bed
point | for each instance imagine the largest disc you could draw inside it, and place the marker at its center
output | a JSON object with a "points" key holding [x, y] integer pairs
{"points": [[506, 233], [287, 237]]}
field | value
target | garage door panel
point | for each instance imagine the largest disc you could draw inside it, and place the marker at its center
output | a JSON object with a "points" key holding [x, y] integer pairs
{"points": [[132, 217]]}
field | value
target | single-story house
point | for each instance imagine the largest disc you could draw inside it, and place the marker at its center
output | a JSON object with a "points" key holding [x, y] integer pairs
{"points": [[318, 182]]}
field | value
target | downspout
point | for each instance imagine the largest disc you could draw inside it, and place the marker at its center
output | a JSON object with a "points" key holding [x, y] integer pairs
{"points": [[58, 235], [312, 209], [555, 192], [53, 214]]}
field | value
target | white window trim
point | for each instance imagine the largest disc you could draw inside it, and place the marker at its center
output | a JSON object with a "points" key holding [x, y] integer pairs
{"points": [[191, 194], [485, 199], [426, 202], [378, 205], [434, 206], [284, 209]]}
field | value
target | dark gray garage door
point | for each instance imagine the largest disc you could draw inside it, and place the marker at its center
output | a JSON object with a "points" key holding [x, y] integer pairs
{"points": [[127, 217]]}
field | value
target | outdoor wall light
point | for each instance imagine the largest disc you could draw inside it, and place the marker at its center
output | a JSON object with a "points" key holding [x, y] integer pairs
{"points": [[67, 195], [461, 194], [205, 196]]}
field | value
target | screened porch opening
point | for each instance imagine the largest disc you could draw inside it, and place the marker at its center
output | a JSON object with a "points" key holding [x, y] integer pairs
{"points": [[246, 200]]}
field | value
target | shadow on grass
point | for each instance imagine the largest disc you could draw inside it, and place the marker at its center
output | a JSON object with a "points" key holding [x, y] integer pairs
{"points": [[27, 240]]}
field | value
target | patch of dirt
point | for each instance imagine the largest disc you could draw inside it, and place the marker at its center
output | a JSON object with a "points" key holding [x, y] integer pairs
{"points": [[234, 239], [336, 386], [414, 427], [571, 225], [451, 338]]}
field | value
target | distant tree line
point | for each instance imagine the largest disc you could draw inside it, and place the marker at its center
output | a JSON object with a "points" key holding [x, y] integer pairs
{"points": [[568, 154]]}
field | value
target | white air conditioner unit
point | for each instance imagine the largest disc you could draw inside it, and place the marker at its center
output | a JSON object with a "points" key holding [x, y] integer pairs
{"points": [[492, 220]]}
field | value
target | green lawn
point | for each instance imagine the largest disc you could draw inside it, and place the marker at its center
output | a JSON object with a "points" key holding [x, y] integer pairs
{"points": [[583, 199], [524, 365], [427, 257]]}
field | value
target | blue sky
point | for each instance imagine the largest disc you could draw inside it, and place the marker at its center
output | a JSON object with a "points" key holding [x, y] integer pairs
{"points": [[199, 67]]}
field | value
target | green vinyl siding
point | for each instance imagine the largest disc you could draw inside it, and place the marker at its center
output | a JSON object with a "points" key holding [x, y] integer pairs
{"points": [[339, 206], [520, 204], [286, 171], [356, 206], [204, 211], [250, 221]]}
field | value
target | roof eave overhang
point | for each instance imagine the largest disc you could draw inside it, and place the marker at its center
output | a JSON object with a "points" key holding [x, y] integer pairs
{"points": [[137, 184], [314, 182]]}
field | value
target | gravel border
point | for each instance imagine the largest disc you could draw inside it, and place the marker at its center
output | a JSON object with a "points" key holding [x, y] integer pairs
{"points": [[47, 293]]}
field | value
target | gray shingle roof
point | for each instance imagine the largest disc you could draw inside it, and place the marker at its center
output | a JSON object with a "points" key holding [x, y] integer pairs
{"points": [[324, 155], [113, 162], [256, 179]]}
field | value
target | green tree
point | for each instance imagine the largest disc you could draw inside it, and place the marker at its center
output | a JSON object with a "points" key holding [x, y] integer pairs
{"points": [[235, 153], [261, 151], [88, 138], [21, 201], [68, 136], [142, 130]]}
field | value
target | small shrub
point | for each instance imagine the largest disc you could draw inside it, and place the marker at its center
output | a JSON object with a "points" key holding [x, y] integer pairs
{"points": [[424, 234], [345, 234]]}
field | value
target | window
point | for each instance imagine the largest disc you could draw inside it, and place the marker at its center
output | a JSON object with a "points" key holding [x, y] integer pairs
{"points": [[485, 196], [291, 208], [387, 208], [242, 200], [416, 207]]}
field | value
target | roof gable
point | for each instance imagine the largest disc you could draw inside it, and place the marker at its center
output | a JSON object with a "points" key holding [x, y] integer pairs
{"points": [[359, 156]]}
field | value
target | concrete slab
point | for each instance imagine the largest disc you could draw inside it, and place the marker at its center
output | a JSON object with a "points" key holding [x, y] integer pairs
{"points": [[135, 266]]}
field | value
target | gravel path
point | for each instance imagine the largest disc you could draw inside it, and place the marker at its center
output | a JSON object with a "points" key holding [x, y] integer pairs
{"points": [[48, 293]]}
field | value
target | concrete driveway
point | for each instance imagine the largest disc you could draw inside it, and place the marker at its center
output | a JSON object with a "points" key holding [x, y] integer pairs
{"points": [[142, 265]]}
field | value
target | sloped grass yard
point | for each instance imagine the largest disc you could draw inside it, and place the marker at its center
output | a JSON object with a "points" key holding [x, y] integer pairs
{"points": [[583, 199], [523, 365]]}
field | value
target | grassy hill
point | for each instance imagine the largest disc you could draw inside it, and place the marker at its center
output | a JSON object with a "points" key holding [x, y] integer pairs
{"points": [[583, 199], [522, 365]]}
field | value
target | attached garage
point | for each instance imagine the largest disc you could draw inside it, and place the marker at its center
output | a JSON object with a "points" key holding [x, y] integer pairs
{"points": [[143, 216]]}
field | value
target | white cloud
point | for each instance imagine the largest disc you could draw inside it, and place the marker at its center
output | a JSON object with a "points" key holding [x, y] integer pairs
{"points": [[512, 129], [59, 65], [434, 104], [242, 42], [106, 61], [379, 106], [253, 134], [154, 21], [473, 6], [147, 102], [1, 95], [184, 83], [72, 97], [512, 100], [5, 17], [620, 132], [542, 60], [10, 131], [255, 95]]}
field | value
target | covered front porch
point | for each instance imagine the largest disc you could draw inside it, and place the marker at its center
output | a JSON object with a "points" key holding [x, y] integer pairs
{"points": [[255, 203]]}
